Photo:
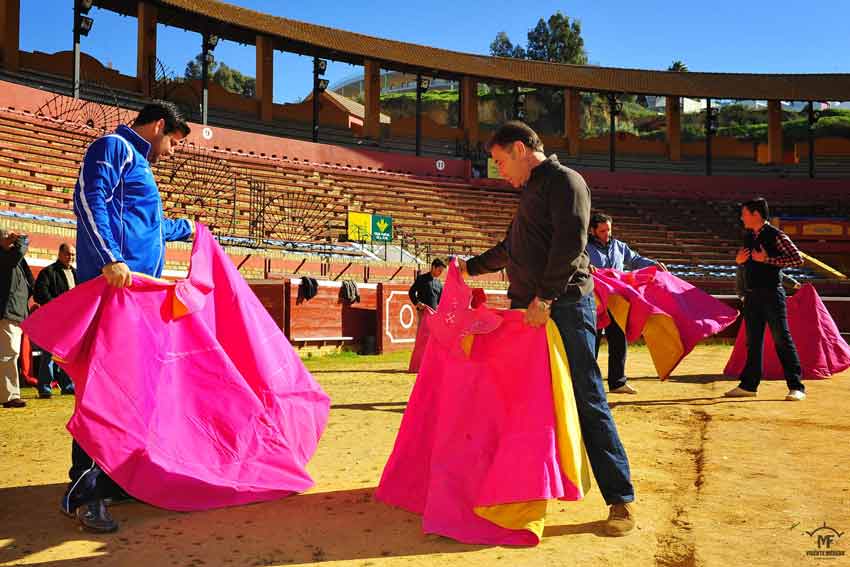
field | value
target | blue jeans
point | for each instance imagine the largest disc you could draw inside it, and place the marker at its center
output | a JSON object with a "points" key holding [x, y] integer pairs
{"points": [[576, 321], [48, 372], [766, 307]]}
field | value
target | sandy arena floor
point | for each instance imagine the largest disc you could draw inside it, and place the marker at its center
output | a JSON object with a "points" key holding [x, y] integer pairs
{"points": [[719, 483]]}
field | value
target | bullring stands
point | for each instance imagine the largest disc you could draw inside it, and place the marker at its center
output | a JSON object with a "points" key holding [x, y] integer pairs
{"points": [[695, 235]]}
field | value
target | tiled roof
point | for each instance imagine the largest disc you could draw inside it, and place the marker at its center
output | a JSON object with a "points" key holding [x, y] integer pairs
{"points": [[392, 54], [351, 106]]}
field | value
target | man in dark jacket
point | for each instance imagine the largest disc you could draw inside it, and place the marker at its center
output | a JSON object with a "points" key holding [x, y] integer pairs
{"points": [[760, 261], [428, 288], [548, 269], [53, 281], [15, 290]]}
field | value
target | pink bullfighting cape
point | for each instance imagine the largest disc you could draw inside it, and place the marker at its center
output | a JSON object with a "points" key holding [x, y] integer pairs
{"points": [[188, 394], [670, 314], [422, 334], [819, 344], [491, 429]]}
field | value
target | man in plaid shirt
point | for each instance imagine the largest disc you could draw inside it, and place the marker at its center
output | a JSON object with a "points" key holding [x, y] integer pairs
{"points": [[765, 252]]}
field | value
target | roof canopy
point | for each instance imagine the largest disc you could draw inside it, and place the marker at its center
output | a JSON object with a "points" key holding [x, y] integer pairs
{"points": [[243, 25]]}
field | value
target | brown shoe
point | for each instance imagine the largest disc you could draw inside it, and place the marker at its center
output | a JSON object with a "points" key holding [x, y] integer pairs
{"points": [[621, 519], [16, 403]]}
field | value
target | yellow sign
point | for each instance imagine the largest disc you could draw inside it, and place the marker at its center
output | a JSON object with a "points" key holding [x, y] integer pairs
{"points": [[492, 169], [359, 227]]}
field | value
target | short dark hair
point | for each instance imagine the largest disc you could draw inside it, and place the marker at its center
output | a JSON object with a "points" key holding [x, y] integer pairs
{"points": [[64, 247], [163, 110], [437, 263], [599, 218], [515, 131], [758, 205]]}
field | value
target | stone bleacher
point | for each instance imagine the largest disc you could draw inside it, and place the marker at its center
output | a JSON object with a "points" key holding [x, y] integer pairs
{"points": [[694, 236]]}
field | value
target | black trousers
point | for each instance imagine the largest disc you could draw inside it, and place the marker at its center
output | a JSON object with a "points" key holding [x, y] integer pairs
{"points": [[617, 346], [89, 482], [766, 308]]}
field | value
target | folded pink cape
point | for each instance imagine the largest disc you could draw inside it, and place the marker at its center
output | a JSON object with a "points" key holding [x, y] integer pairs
{"points": [[422, 335], [188, 394], [670, 314], [819, 344], [491, 430]]}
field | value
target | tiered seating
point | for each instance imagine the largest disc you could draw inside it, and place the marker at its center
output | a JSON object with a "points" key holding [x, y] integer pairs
{"points": [[826, 167], [39, 160], [38, 165]]}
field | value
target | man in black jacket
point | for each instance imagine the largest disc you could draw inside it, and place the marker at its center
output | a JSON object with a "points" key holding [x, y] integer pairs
{"points": [[15, 290], [53, 281], [760, 261], [548, 269], [428, 288]]}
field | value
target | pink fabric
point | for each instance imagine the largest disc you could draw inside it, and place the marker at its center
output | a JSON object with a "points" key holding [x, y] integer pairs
{"points": [[422, 334], [819, 344], [651, 291], [212, 408], [478, 430]]}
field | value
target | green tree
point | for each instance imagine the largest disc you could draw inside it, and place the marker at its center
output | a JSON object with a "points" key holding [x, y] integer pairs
{"points": [[502, 47], [678, 66], [227, 77], [557, 40]]}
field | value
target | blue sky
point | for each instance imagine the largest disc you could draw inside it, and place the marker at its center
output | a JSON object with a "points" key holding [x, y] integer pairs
{"points": [[761, 36]]}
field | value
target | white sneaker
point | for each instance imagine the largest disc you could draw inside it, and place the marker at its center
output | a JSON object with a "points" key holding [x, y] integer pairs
{"points": [[624, 389], [739, 392], [795, 396]]}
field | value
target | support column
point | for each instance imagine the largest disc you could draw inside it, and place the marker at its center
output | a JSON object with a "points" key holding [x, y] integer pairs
{"points": [[614, 108], [673, 109], [265, 78], [372, 99], [710, 127], [572, 120], [810, 132], [418, 114], [469, 110], [10, 33], [774, 131], [146, 48]]}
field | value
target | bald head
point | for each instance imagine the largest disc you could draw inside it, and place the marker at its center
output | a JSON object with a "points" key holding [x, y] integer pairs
{"points": [[66, 254]]}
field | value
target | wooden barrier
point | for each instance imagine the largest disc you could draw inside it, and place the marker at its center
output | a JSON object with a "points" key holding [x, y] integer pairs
{"points": [[396, 318]]}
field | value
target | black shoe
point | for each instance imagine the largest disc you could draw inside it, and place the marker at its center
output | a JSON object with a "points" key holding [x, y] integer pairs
{"points": [[16, 403], [94, 517], [45, 395]]}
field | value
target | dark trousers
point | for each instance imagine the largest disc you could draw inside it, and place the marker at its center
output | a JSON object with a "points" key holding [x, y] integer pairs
{"points": [[88, 481], [576, 321], [616, 353], [48, 372], [766, 307]]}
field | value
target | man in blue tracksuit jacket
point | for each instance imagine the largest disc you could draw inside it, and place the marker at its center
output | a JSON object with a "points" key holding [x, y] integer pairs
{"points": [[120, 229], [608, 252]]}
